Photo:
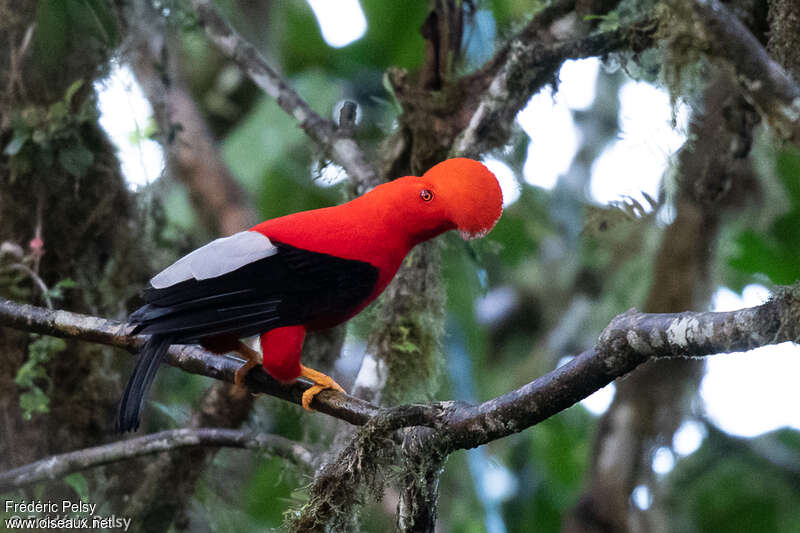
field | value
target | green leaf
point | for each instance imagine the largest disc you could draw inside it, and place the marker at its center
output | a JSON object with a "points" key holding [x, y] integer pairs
{"points": [[84, 21], [51, 36], [76, 159], [34, 399], [608, 22], [78, 482], [105, 19], [56, 292], [56, 115], [776, 252], [28, 372], [66, 283], [32, 402], [71, 90], [17, 142], [44, 347]]}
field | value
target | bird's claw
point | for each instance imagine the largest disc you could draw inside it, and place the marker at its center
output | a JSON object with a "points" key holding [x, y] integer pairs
{"points": [[321, 382], [252, 359]]}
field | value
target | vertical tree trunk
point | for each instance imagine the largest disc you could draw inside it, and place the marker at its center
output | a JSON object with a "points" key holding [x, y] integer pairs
{"points": [[64, 203], [784, 35]]}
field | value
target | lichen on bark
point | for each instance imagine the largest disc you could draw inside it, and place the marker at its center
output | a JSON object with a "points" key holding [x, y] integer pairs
{"points": [[408, 328]]}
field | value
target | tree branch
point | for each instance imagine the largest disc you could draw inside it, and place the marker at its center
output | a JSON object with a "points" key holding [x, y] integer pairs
{"points": [[526, 64], [535, 29], [342, 148], [631, 339], [63, 464], [192, 359], [356, 471], [768, 85]]}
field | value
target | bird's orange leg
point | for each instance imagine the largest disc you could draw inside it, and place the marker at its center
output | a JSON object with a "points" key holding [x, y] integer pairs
{"points": [[253, 359], [321, 382]]}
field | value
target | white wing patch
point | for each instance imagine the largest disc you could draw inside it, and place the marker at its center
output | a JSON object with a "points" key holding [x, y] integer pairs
{"points": [[216, 258]]}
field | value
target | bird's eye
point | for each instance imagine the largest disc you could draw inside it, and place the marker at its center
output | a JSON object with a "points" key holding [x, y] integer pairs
{"points": [[426, 195]]}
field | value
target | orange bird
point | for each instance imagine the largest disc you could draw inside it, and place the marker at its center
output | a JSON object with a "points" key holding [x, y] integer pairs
{"points": [[304, 271]]}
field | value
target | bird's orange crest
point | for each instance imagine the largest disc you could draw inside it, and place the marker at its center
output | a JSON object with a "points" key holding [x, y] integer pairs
{"points": [[475, 201]]}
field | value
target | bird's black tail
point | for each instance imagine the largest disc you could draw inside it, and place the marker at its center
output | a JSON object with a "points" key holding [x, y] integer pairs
{"points": [[150, 357]]}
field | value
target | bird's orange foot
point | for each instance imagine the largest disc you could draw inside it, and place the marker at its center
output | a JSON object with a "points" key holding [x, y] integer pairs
{"points": [[321, 382], [252, 360]]}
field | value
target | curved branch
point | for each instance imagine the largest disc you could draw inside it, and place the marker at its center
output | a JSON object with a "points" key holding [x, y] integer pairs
{"points": [[763, 80], [526, 64], [342, 148], [58, 466], [631, 339], [537, 29]]}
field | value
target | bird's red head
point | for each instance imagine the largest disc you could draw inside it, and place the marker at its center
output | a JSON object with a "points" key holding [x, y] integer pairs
{"points": [[394, 217], [469, 193]]}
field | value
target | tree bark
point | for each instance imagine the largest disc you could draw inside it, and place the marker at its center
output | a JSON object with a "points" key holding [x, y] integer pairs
{"points": [[784, 35], [77, 221]]}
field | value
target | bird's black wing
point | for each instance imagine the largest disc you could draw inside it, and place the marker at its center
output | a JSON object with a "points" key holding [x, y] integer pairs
{"points": [[293, 286]]}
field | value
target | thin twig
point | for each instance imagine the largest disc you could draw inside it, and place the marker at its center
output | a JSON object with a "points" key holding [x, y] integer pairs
{"points": [[58, 466], [343, 149], [38, 281]]}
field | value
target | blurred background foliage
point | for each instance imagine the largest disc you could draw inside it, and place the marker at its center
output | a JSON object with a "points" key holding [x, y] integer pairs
{"points": [[540, 287]]}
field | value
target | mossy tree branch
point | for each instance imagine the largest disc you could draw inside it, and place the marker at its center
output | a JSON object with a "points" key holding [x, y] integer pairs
{"points": [[58, 466], [722, 35], [526, 64]]}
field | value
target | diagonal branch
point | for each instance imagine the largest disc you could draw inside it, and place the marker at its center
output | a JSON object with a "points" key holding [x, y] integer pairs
{"points": [[537, 29], [526, 64], [342, 148], [772, 90], [58, 466], [631, 339]]}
